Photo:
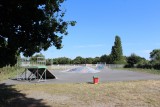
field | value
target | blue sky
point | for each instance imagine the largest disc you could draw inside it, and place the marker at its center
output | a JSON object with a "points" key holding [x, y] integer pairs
{"points": [[137, 22]]}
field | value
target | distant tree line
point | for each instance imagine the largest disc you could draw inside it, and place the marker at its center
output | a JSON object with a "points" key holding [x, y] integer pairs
{"points": [[132, 61], [80, 60], [77, 60], [135, 61], [115, 57]]}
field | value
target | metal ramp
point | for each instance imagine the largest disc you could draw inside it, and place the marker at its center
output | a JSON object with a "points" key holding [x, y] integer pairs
{"points": [[38, 73]]}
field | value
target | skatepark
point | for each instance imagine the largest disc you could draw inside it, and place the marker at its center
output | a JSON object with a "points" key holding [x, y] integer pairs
{"points": [[83, 74], [74, 85]]}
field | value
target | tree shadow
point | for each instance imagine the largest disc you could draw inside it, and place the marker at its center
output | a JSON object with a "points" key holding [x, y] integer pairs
{"points": [[90, 83], [10, 97]]}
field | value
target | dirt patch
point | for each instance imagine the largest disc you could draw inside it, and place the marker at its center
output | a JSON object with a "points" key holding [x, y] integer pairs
{"points": [[49, 98]]}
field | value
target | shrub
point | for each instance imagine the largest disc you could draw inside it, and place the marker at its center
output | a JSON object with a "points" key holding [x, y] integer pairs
{"points": [[156, 66], [128, 66]]}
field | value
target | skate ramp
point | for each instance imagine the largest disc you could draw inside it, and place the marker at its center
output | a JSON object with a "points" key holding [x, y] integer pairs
{"points": [[41, 72], [83, 69], [36, 72]]}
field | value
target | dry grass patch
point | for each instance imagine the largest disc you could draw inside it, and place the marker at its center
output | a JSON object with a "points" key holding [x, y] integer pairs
{"points": [[9, 72], [151, 71], [119, 94]]}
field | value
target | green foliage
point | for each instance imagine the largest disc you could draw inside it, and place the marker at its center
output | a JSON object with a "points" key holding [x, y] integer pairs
{"points": [[139, 62], [155, 56], [29, 26], [55, 61], [149, 66], [145, 66], [49, 62], [7, 56], [156, 66], [95, 60], [117, 53], [106, 59], [62, 60], [134, 59], [79, 60], [89, 60]]}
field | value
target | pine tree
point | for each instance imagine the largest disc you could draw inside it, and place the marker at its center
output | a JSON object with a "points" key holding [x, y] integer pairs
{"points": [[116, 53]]}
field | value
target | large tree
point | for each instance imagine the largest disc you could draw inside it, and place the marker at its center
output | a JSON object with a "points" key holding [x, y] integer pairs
{"points": [[117, 53], [29, 26], [134, 59], [155, 56]]}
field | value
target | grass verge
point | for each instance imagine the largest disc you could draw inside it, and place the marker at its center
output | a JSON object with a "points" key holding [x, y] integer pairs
{"points": [[152, 71], [9, 72], [113, 94]]}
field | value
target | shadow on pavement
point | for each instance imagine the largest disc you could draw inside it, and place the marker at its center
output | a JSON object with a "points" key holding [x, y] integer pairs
{"points": [[10, 97]]}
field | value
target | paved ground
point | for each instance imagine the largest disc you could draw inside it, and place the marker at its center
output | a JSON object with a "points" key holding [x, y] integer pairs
{"points": [[106, 75]]}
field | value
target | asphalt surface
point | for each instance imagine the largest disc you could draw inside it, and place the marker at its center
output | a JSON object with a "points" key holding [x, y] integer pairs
{"points": [[106, 75]]}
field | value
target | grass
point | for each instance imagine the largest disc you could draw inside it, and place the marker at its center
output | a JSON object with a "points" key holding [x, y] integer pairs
{"points": [[152, 71], [9, 72], [114, 94], [111, 94]]}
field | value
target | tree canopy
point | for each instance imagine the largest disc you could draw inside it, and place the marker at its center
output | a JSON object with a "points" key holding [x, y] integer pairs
{"points": [[155, 56], [117, 53], [29, 26], [79, 60], [106, 59], [133, 59]]}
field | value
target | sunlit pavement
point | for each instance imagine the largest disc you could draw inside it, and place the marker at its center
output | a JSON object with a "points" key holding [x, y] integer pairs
{"points": [[105, 75]]}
